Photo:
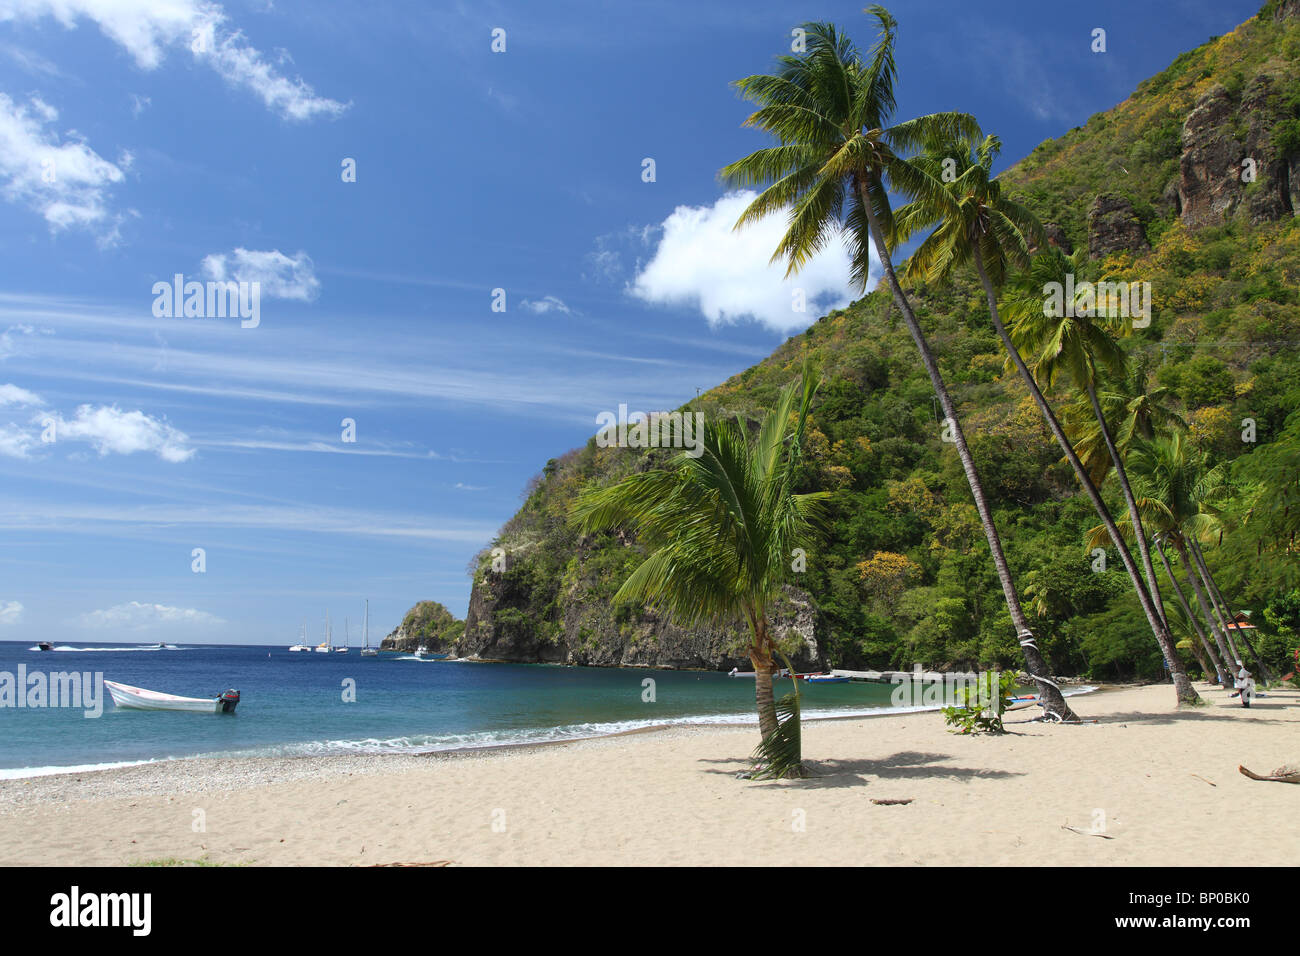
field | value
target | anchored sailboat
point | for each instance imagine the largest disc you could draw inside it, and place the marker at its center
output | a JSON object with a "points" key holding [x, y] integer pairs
{"points": [[346, 639], [324, 646], [302, 644], [366, 649]]}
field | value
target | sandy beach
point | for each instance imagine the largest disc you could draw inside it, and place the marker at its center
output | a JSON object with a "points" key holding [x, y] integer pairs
{"points": [[1145, 784]]}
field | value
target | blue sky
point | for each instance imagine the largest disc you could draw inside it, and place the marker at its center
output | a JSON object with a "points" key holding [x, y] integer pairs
{"points": [[140, 140]]}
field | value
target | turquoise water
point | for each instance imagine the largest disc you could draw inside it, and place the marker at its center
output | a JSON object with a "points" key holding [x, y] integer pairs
{"points": [[293, 704]]}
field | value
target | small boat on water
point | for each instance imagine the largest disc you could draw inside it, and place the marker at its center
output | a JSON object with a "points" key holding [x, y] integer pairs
{"points": [[366, 649], [737, 672], [346, 639], [421, 651], [824, 679], [326, 645], [44, 646], [138, 698], [302, 644]]}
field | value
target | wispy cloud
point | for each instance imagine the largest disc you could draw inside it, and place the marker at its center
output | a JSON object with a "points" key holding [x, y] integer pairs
{"points": [[547, 303], [62, 179], [147, 30], [10, 613], [138, 616], [280, 276]]}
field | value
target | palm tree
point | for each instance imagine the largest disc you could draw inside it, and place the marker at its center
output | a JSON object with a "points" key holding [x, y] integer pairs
{"points": [[1174, 482], [977, 225], [1133, 407], [1219, 669], [721, 527], [831, 111]]}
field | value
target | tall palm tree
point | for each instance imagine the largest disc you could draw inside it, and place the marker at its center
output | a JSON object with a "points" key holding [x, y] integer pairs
{"points": [[1134, 409], [977, 225], [721, 528], [1173, 482], [1219, 669], [831, 111]]}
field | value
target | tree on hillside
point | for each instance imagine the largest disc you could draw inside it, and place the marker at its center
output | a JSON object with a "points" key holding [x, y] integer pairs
{"points": [[832, 112], [974, 224]]}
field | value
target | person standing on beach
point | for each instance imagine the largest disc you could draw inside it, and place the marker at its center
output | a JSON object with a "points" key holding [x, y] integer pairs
{"points": [[1246, 684]]}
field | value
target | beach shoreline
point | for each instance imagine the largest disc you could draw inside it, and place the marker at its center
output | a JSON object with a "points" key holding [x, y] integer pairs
{"points": [[1135, 787]]}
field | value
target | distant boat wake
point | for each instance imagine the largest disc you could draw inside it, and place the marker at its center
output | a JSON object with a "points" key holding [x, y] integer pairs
{"points": [[113, 650]]}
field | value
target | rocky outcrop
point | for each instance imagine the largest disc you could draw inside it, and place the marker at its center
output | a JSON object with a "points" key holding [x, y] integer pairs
{"points": [[428, 623], [1056, 237], [1230, 164], [592, 633], [1113, 226]]}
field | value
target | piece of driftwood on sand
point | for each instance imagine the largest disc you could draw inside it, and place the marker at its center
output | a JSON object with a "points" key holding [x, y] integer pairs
{"points": [[1287, 774]]}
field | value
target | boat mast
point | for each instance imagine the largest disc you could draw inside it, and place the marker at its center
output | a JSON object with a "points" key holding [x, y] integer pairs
{"points": [[365, 627]]}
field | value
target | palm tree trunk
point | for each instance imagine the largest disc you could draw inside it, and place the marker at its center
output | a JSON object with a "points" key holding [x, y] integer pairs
{"points": [[1186, 693], [1221, 606], [1219, 669], [1139, 532], [1049, 692], [1194, 579], [760, 654]]}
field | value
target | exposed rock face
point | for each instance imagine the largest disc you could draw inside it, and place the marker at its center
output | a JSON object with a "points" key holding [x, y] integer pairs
{"points": [[1229, 163], [592, 633], [1113, 226], [427, 623], [1056, 237]]}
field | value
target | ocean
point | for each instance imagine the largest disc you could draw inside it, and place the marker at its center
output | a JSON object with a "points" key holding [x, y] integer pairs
{"points": [[296, 704]]}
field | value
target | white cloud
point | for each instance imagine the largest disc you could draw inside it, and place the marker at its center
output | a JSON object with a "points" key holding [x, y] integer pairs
{"points": [[10, 612], [139, 104], [702, 262], [112, 431], [280, 276], [136, 616], [65, 181], [13, 395], [147, 29], [547, 303], [15, 442]]}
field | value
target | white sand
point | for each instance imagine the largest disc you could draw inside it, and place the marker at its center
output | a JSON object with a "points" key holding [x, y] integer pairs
{"points": [[1161, 784]]}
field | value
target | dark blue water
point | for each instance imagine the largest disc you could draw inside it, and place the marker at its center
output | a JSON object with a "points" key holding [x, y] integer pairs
{"points": [[293, 704]]}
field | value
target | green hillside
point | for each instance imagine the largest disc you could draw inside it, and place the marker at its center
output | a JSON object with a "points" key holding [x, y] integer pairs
{"points": [[903, 574]]}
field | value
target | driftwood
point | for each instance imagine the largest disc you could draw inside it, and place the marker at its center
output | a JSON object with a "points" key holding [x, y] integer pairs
{"points": [[892, 802], [1287, 774]]}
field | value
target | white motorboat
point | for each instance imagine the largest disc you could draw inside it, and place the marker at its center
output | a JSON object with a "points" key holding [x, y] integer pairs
{"points": [[366, 649], [138, 698], [421, 651]]}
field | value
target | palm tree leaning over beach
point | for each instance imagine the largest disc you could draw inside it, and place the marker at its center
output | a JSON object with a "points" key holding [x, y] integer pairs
{"points": [[722, 528], [976, 225], [831, 113], [1080, 344]]}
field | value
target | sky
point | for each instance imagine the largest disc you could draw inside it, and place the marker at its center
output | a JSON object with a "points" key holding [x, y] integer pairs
{"points": [[386, 177]]}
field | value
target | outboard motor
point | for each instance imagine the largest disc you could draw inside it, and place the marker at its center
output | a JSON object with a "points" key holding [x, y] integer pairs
{"points": [[229, 701]]}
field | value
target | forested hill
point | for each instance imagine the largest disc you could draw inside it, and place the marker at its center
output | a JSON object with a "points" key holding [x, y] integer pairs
{"points": [[1154, 191]]}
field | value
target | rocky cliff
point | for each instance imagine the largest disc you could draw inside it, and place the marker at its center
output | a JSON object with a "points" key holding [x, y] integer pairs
{"points": [[429, 624]]}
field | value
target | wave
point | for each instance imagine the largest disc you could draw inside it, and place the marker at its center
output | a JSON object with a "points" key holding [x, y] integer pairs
{"points": [[18, 773], [112, 650]]}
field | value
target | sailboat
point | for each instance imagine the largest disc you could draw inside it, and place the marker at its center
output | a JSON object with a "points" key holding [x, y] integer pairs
{"points": [[346, 639], [324, 646], [366, 649], [302, 644]]}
